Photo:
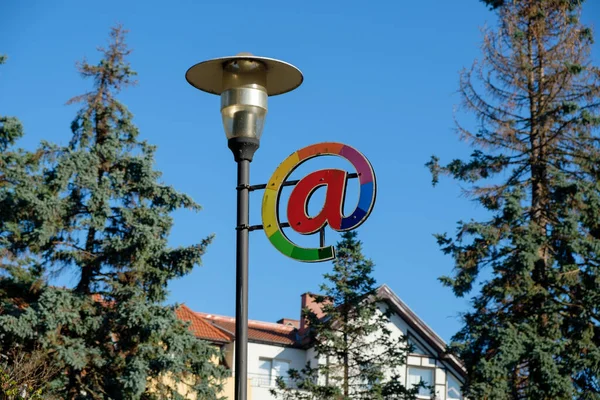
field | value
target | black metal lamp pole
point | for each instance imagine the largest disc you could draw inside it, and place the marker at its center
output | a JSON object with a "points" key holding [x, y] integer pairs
{"points": [[244, 83], [243, 150]]}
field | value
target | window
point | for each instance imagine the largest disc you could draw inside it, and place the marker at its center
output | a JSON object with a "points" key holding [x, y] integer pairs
{"points": [[264, 368], [264, 372], [418, 375], [269, 370], [370, 373], [416, 348], [280, 368], [454, 392]]}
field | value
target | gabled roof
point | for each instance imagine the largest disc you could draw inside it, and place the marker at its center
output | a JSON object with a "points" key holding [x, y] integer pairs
{"points": [[201, 328], [420, 327], [258, 331]]}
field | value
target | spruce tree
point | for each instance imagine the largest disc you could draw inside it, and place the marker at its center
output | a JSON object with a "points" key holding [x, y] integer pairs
{"points": [[24, 373], [534, 329], [100, 212], [358, 355]]}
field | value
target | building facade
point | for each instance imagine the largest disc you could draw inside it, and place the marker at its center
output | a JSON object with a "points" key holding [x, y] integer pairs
{"points": [[274, 348]]}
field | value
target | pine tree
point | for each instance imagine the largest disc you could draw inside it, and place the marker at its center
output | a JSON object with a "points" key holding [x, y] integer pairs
{"points": [[357, 352], [104, 215], [534, 330]]}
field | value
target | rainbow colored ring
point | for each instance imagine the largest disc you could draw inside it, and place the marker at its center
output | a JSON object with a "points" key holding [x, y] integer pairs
{"points": [[270, 203]]}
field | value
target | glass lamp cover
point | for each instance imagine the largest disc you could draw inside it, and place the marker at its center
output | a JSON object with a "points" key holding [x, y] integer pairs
{"points": [[243, 120]]}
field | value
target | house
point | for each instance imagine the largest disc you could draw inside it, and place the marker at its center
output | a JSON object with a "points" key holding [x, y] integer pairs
{"points": [[274, 348]]}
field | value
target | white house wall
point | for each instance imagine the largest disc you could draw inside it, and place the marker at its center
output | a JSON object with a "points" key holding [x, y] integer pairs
{"points": [[261, 384], [298, 358]]}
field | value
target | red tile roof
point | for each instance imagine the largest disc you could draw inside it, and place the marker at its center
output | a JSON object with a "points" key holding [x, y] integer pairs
{"points": [[258, 331], [200, 327]]}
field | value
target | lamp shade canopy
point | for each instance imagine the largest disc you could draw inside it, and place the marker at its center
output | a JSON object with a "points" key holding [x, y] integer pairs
{"points": [[281, 77]]}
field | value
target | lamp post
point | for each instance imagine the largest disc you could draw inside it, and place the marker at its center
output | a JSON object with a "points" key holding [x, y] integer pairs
{"points": [[244, 83]]}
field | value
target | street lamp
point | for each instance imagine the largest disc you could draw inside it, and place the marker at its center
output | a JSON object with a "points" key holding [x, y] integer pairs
{"points": [[244, 83]]}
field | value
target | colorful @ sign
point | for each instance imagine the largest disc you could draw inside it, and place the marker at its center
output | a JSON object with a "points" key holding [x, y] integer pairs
{"points": [[331, 214]]}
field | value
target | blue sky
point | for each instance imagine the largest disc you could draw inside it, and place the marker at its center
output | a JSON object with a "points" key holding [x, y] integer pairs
{"points": [[382, 78]]}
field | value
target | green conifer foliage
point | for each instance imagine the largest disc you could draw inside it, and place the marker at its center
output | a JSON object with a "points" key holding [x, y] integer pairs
{"points": [[346, 338], [24, 373], [97, 209], [534, 330]]}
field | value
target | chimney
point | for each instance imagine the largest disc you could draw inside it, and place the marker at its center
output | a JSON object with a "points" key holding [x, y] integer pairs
{"points": [[308, 301]]}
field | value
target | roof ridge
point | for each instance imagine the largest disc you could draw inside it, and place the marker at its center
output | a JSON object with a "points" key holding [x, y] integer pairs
{"points": [[250, 321], [414, 315]]}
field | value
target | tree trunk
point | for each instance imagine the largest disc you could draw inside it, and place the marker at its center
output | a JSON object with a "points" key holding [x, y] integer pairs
{"points": [[91, 265]]}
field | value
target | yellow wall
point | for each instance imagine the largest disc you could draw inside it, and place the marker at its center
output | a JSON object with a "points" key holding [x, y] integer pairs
{"points": [[183, 389], [228, 390]]}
